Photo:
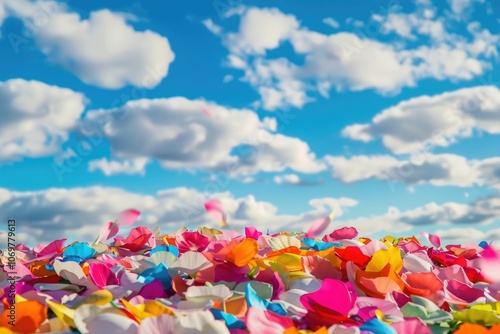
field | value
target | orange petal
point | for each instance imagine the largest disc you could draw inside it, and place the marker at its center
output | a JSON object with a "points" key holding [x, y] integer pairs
{"points": [[291, 249], [377, 284], [39, 270], [422, 284], [236, 306], [468, 328], [243, 253], [29, 316]]}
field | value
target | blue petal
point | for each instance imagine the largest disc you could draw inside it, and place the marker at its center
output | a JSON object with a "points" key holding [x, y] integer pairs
{"points": [[166, 248], [377, 327], [483, 244], [231, 321], [162, 248], [74, 258], [159, 273], [319, 245], [253, 300], [174, 250], [78, 252]]}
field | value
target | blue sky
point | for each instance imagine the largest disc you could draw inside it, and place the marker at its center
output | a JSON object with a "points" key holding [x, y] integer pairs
{"points": [[387, 110]]}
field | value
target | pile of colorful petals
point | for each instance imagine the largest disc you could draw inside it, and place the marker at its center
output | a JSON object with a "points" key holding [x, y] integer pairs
{"points": [[213, 281]]}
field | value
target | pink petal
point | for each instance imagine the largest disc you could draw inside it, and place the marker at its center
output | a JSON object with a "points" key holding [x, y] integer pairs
{"points": [[344, 233], [157, 325], [342, 303], [215, 208], [102, 275], [320, 267], [53, 247], [264, 322], [489, 264], [318, 227], [137, 238], [433, 239], [461, 293], [411, 325], [128, 217], [252, 232], [109, 230], [206, 111]]}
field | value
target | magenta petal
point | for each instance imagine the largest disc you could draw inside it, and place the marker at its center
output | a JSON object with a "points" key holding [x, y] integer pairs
{"points": [[461, 292], [433, 239], [53, 247], [252, 232], [102, 275], [192, 241], [344, 233], [333, 294], [153, 290]]}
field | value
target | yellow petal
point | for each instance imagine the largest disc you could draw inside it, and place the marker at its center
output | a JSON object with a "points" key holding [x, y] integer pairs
{"points": [[64, 313], [100, 297], [474, 316], [156, 308], [137, 311], [291, 262], [382, 257]]}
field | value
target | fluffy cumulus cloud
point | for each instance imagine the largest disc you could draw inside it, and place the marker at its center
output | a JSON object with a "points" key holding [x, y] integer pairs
{"points": [[136, 166], [470, 234], [36, 118], [177, 133], [429, 121], [351, 60], [58, 213], [459, 6], [435, 169], [295, 180], [125, 56], [483, 211]]}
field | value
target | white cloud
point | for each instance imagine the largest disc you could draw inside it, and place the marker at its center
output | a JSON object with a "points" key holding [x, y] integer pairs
{"points": [[103, 50], [331, 22], [439, 120], [461, 234], [459, 6], [112, 167], [482, 211], [177, 133], [3, 14], [421, 168], [287, 179], [227, 78], [57, 213], [438, 170], [261, 30], [351, 61], [36, 118], [212, 27]]}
